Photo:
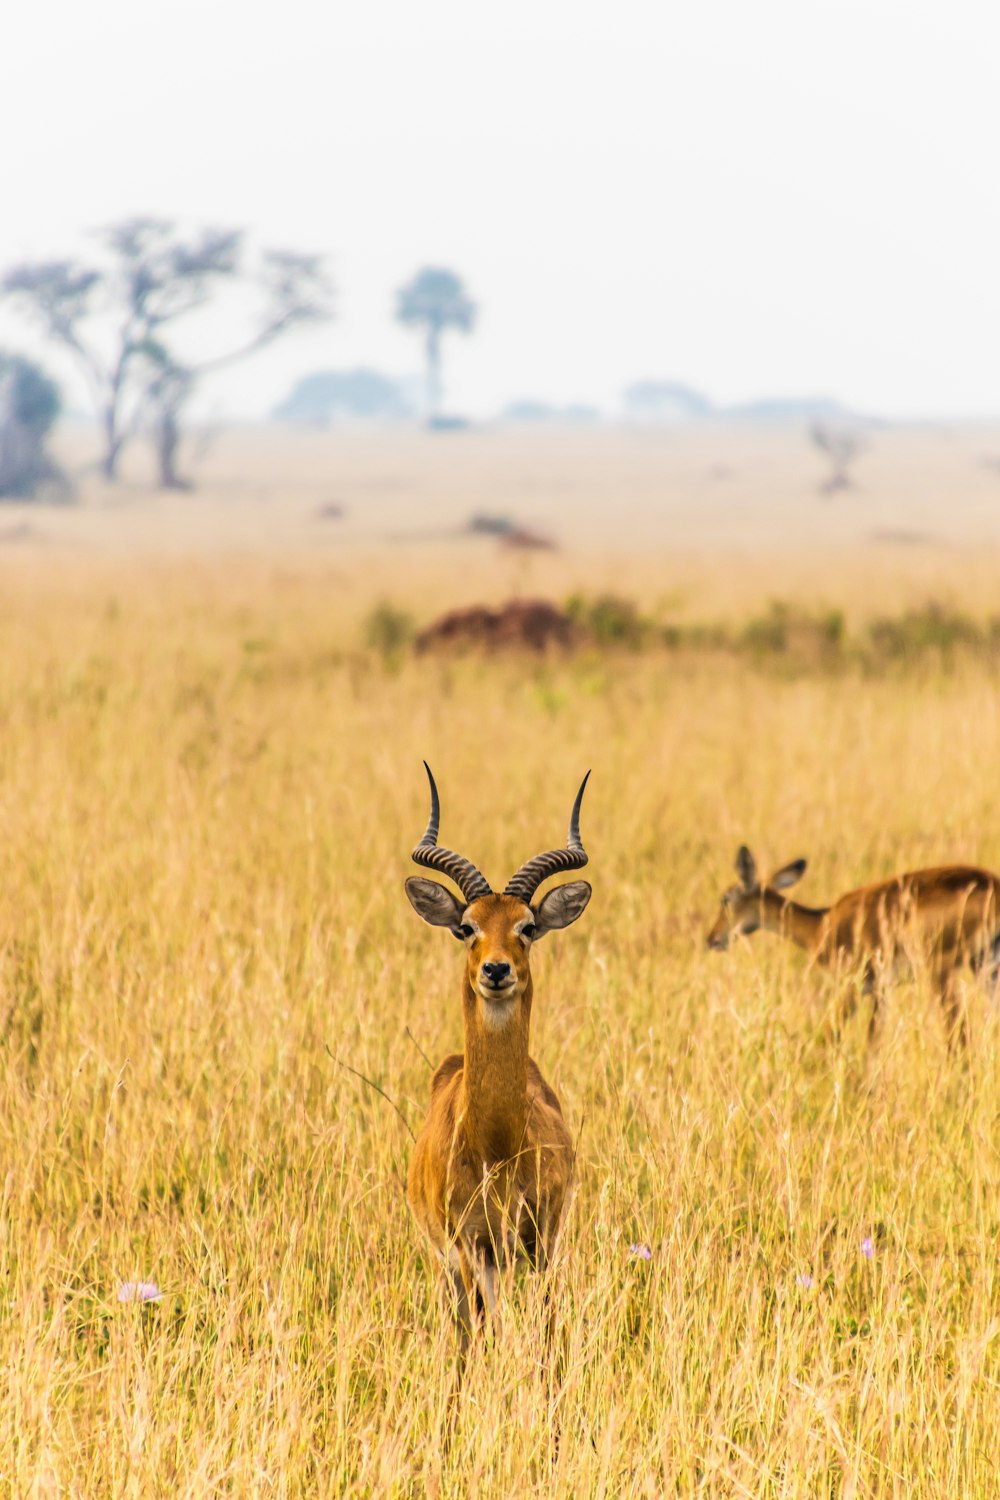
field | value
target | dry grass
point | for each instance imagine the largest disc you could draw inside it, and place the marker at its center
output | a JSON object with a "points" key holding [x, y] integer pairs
{"points": [[612, 495], [208, 793]]}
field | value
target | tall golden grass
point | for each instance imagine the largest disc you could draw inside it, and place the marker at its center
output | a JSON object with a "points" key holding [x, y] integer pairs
{"points": [[209, 789]]}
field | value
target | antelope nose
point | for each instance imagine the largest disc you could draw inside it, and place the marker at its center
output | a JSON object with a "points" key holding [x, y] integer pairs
{"points": [[496, 973]]}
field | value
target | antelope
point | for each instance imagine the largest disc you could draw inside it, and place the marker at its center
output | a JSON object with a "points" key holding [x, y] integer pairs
{"points": [[947, 917], [492, 1165]]}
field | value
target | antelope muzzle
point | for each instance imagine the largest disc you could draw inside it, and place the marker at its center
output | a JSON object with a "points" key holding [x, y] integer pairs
{"points": [[497, 979]]}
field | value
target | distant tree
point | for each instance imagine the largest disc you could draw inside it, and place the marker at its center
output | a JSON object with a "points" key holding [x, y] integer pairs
{"points": [[528, 409], [665, 400], [822, 409], [29, 405], [318, 398], [295, 291], [151, 276], [435, 300], [841, 446], [169, 391]]}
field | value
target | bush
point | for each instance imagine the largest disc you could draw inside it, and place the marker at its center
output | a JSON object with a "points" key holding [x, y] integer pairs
{"points": [[934, 627], [29, 405], [609, 619], [794, 634], [388, 630]]}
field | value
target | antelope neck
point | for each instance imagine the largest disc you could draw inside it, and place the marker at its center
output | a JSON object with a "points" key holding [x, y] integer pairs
{"points": [[495, 1079], [801, 924]]}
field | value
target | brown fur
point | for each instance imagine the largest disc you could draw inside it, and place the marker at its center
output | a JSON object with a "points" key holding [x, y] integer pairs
{"points": [[491, 1168], [947, 919]]}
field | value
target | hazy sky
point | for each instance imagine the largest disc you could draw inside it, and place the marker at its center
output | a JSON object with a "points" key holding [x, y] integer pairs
{"points": [[783, 196]]}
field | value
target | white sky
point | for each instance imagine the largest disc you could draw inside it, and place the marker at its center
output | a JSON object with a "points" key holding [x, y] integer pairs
{"points": [[753, 196]]}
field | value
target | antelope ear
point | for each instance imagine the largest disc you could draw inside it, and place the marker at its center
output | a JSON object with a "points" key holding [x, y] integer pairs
{"points": [[788, 875], [435, 904], [561, 906], [746, 868]]}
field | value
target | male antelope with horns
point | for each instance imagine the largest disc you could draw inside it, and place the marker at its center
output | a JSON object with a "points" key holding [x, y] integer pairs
{"points": [[491, 1168], [946, 918]]}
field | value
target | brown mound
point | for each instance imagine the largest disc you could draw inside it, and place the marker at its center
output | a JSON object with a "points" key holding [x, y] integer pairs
{"points": [[531, 624]]}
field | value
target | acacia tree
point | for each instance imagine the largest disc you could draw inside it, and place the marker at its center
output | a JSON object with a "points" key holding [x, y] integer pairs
{"points": [[115, 317], [435, 300], [294, 290], [841, 447]]}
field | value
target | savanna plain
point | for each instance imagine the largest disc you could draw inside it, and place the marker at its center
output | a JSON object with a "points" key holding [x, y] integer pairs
{"points": [[778, 1274]]}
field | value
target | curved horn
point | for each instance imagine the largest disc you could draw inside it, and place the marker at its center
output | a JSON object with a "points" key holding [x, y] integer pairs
{"points": [[530, 876], [428, 852]]}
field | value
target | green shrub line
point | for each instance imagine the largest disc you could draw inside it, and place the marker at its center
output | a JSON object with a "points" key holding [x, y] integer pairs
{"points": [[795, 634]]}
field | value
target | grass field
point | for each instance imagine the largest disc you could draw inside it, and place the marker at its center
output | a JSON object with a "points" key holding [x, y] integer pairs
{"points": [[210, 787]]}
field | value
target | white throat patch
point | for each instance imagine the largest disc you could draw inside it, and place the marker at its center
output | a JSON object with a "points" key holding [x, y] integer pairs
{"points": [[497, 1012]]}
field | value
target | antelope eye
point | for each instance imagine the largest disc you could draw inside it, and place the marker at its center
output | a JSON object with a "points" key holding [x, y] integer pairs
{"points": [[466, 930], [528, 932]]}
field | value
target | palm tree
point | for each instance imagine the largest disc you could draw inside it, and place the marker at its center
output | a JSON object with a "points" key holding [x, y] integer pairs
{"points": [[436, 300]]}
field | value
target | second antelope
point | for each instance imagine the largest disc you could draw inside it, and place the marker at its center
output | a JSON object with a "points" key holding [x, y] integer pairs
{"points": [[492, 1165], [946, 919]]}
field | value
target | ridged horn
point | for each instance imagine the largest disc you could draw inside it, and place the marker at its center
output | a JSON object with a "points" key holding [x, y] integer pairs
{"points": [[530, 876], [428, 852]]}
